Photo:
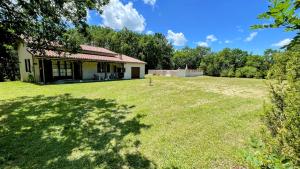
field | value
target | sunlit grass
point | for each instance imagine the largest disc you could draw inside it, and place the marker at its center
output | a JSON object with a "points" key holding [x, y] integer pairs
{"points": [[202, 122]]}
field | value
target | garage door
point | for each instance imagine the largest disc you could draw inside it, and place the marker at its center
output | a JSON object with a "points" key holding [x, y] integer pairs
{"points": [[135, 72]]}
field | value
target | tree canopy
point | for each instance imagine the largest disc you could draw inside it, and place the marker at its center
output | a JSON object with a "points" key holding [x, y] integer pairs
{"points": [[190, 57]]}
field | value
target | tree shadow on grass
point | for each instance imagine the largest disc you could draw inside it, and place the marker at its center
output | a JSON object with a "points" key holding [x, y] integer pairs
{"points": [[67, 132]]}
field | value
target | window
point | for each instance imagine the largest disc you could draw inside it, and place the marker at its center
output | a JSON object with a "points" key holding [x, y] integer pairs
{"points": [[69, 69], [62, 69], [27, 65], [55, 69], [100, 67]]}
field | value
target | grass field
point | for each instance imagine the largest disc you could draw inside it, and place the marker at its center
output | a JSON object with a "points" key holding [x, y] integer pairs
{"points": [[202, 122]]}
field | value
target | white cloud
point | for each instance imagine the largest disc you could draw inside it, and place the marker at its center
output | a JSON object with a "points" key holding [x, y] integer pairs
{"points": [[211, 38], [88, 15], [251, 37], [240, 29], [177, 39], [228, 41], [150, 2], [117, 16], [282, 43], [149, 32], [202, 44]]}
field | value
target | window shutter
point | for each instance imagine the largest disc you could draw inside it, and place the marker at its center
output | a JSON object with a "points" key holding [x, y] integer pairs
{"points": [[29, 67]]}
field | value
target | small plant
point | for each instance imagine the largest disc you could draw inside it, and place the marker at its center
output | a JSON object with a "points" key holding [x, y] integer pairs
{"points": [[31, 78], [150, 81]]}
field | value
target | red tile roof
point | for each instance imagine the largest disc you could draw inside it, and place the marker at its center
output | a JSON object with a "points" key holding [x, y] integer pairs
{"points": [[95, 54], [96, 49]]}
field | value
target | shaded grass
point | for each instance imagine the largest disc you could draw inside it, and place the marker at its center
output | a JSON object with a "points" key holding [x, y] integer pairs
{"points": [[176, 123]]}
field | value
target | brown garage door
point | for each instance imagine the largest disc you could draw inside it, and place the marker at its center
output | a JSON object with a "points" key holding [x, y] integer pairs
{"points": [[135, 72]]}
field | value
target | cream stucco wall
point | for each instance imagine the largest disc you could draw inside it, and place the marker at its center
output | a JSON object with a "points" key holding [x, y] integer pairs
{"points": [[128, 66], [89, 69], [34, 64], [24, 54]]}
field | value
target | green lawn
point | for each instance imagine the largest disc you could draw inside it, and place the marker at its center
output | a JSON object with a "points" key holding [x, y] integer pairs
{"points": [[201, 122]]}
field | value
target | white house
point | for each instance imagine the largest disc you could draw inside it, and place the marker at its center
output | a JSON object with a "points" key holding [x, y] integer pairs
{"points": [[91, 63]]}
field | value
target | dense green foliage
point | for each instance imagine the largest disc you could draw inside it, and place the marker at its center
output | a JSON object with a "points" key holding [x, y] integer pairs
{"points": [[279, 145], [190, 57], [237, 63], [153, 49], [39, 23]]}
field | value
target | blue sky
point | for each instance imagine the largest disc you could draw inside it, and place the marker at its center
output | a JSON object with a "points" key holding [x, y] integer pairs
{"points": [[213, 23]]}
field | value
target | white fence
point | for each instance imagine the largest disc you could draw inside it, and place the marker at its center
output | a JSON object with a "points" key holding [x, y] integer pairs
{"points": [[177, 73]]}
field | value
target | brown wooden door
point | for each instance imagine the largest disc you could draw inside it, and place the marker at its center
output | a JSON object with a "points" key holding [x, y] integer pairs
{"points": [[47, 70], [77, 71], [135, 72]]}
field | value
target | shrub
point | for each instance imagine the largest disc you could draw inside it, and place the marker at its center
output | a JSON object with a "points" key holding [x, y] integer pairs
{"points": [[31, 78], [247, 71], [231, 73], [238, 73], [259, 75], [227, 73], [224, 73], [282, 119]]}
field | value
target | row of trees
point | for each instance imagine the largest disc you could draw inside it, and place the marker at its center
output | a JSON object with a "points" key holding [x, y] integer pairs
{"points": [[226, 63], [237, 63], [159, 53]]}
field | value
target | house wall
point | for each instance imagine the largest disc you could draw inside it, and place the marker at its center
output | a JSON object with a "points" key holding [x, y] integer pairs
{"points": [[24, 54], [89, 69], [36, 65], [128, 66]]}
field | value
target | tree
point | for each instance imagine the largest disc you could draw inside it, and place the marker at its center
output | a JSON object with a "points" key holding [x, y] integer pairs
{"points": [[190, 57], [285, 14], [41, 24], [280, 143]]}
